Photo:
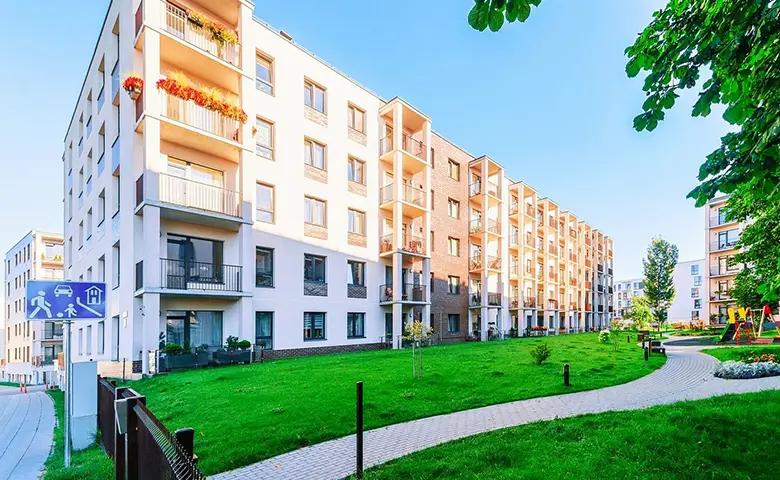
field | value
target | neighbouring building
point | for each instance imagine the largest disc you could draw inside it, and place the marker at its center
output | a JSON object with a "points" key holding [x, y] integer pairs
{"points": [[316, 226], [31, 347], [691, 293], [720, 268], [626, 291]]}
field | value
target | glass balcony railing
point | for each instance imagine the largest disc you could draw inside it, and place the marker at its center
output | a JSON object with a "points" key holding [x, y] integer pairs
{"points": [[199, 196]]}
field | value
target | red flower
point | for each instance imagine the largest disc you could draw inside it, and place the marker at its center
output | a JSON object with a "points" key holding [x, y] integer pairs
{"points": [[133, 84]]}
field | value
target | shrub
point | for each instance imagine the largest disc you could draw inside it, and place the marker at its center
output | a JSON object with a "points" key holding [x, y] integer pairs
{"points": [[740, 370], [604, 336], [541, 353], [244, 344], [173, 349], [231, 344], [753, 357]]}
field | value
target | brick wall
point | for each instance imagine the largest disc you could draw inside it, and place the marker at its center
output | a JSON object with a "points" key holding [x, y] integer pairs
{"points": [[443, 226], [324, 350]]}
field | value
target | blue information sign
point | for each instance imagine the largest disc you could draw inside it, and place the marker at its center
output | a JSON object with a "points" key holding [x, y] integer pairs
{"points": [[65, 300]]}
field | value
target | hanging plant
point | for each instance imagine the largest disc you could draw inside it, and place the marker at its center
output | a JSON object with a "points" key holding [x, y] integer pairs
{"points": [[133, 85], [208, 98], [219, 33]]}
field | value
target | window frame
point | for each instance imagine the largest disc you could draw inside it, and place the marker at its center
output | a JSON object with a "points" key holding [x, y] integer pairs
{"points": [[310, 88], [352, 110], [449, 246], [270, 83], [352, 215], [450, 202], [273, 204], [450, 165], [309, 144], [307, 198], [351, 332], [312, 257], [270, 252], [271, 138], [450, 289], [312, 338], [450, 317], [352, 160]]}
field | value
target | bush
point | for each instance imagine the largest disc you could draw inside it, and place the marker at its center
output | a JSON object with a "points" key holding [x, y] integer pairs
{"points": [[740, 370], [541, 353], [231, 344], [173, 349], [244, 344], [604, 336]]}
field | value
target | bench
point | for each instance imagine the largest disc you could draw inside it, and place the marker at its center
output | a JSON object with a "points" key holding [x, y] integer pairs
{"points": [[656, 347]]}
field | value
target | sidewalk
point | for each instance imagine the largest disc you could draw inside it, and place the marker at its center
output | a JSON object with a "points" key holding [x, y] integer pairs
{"points": [[26, 429]]}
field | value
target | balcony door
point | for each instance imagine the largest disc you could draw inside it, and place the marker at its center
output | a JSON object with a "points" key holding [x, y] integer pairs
{"points": [[192, 260], [192, 185]]}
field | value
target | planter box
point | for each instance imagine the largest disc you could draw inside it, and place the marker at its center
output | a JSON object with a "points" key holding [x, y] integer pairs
{"points": [[174, 362], [239, 356]]}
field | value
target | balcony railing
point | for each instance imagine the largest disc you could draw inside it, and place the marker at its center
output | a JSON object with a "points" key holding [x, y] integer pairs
{"points": [[475, 262], [588, 241], [552, 249], [588, 307], [722, 245], [600, 288], [475, 225], [414, 195], [588, 262], [514, 269], [513, 238], [573, 306], [529, 210], [572, 257], [529, 239], [719, 295], [493, 189], [475, 299], [553, 277], [529, 271], [315, 289], [199, 117], [514, 302], [589, 285], [386, 194], [600, 267], [719, 220], [200, 196], [601, 308], [724, 271], [493, 226], [411, 244], [177, 23], [475, 189], [189, 275], [493, 263], [529, 302], [514, 208], [408, 144], [494, 299], [573, 282], [552, 304], [356, 291], [410, 292], [572, 233], [609, 271]]}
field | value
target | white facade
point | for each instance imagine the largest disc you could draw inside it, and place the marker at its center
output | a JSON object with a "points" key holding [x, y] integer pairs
{"points": [[30, 348], [625, 292], [691, 293]]}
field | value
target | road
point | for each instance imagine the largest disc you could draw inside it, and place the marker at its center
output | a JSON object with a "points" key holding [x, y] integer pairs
{"points": [[26, 429]]}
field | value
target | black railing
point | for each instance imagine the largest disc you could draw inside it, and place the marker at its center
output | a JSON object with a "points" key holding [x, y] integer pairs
{"points": [[315, 289], [475, 299], [199, 196], [609, 271], [52, 331], [410, 292], [106, 421], [356, 291], [494, 299], [189, 275]]}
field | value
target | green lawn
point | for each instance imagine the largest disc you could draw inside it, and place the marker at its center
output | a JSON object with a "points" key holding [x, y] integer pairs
{"points": [[9, 384], [244, 414], [735, 353], [687, 440], [91, 463]]}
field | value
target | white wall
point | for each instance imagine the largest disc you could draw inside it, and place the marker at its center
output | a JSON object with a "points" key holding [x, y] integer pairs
{"points": [[684, 281]]}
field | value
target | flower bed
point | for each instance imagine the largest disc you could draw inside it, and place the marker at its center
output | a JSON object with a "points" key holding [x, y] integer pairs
{"points": [[742, 370]]}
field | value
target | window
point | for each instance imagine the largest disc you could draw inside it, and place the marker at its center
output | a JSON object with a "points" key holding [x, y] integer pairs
{"points": [[433, 242], [81, 341], [264, 330], [195, 328], [115, 262], [453, 285], [264, 211], [453, 323], [264, 138], [314, 326], [314, 96], [264, 80], [101, 269], [101, 207], [264, 267], [697, 304], [694, 269], [356, 118], [694, 293], [89, 339], [433, 200], [101, 337], [453, 246], [453, 208], [697, 281], [314, 211], [453, 169], [314, 154], [356, 222], [356, 170], [313, 268], [355, 325], [356, 273]]}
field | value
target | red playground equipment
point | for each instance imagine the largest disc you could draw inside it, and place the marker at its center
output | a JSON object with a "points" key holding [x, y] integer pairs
{"points": [[766, 316]]}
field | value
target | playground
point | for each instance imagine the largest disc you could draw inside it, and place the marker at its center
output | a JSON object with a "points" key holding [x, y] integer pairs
{"points": [[746, 327]]}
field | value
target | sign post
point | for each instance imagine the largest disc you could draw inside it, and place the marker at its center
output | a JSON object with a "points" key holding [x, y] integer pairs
{"points": [[66, 301]]}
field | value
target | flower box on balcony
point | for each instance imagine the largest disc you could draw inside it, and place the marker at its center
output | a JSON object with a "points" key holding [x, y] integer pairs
{"points": [[134, 86]]}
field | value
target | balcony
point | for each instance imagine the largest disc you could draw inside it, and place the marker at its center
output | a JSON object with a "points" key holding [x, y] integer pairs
{"points": [[356, 291], [588, 241], [514, 302], [415, 153], [588, 263], [475, 226], [52, 331], [493, 226], [573, 282], [529, 210], [573, 306], [588, 307], [493, 263], [529, 240], [552, 249], [177, 23], [193, 195], [494, 189], [720, 296], [601, 308], [720, 220], [475, 263], [609, 271], [717, 271], [185, 275], [552, 304], [600, 267], [411, 244], [410, 293], [475, 189], [601, 247], [313, 288], [553, 277], [600, 287], [475, 299], [514, 208], [529, 302], [494, 299], [588, 285], [514, 269], [719, 245]]}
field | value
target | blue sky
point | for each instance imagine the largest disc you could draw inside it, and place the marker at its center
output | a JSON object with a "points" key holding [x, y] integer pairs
{"points": [[548, 99]]}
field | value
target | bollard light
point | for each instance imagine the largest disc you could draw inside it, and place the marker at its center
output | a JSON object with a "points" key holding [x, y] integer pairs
{"points": [[566, 382]]}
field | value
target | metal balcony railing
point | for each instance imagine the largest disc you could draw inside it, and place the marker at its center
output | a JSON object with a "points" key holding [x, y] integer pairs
{"points": [[514, 208], [493, 226], [717, 270], [411, 244], [719, 220], [494, 299], [475, 225], [414, 195], [386, 243], [720, 295], [572, 257], [194, 115], [410, 292], [494, 189], [356, 291], [529, 302], [386, 194], [475, 189], [722, 245], [475, 299], [189, 275], [552, 249], [475, 262], [513, 238], [552, 304], [312, 288], [493, 263], [514, 301], [410, 145], [572, 233], [177, 23], [199, 196]]}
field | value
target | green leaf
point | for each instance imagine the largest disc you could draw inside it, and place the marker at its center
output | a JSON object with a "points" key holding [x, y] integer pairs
{"points": [[474, 17], [511, 10], [523, 10], [633, 67], [478, 16], [535, 2], [496, 20]]}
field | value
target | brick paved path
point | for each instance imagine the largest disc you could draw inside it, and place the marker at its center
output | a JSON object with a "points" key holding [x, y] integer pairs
{"points": [[687, 375], [26, 428]]}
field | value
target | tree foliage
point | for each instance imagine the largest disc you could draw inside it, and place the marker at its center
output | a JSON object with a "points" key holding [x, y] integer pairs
{"points": [[491, 13], [659, 277], [746, 289], [639, 313]]}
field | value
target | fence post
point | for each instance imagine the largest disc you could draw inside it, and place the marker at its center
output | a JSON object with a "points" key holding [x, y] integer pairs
{"points": [[359, 434], [566, 375], [186, 438], [120, 460], [131, 439]]}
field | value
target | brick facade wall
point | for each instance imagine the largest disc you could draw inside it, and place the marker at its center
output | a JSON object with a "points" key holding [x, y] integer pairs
{"points": [[443, 226], [324, 350]]}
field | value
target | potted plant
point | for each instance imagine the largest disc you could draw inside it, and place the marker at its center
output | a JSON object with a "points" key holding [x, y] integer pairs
{"points": [[202, 354], [177, 356], [133, 85], [243, 353]]}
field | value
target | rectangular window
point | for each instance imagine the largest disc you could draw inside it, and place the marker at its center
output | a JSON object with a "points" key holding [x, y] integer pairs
{"points": [[314, 96], [356, 170], [264, 80], [356, 222], [102, 269], [313, 268], [453, 323], [697, 304], [454, 169], [453, 208], [314, 326], [264, 138], [115, 261], [356, 273], [264, 211], [453, 285], [314, 211], [195, 328], [314, 154], [356, 119], [694, 269], [81, 341], [453, 246], [264, 330], [101, 337], [697, 281], [356, 325], [694, 293], [264, 267]]}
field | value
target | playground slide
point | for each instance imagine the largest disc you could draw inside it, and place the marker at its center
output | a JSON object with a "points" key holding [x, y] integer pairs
{"points": [[728, 333]]}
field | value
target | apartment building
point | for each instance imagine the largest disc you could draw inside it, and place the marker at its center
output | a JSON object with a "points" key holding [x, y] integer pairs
{"points": [[228, 206], [627, 290], [720, 268], [30, 348], [691, 293]]}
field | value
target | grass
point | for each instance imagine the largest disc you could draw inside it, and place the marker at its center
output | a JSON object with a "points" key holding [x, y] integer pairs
{"points": [[687, 440], [9, 384], [735, 353], [90, 464], [244, 414]]}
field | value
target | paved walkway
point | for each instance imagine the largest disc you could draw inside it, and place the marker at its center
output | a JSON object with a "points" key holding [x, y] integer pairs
{"points": [[687, 375], [26, 429]]}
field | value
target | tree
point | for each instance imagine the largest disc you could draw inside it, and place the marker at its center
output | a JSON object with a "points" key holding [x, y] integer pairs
{"points": [[745, 291], [639, 313], [659, 277], [417, 333], [730, 50]]}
